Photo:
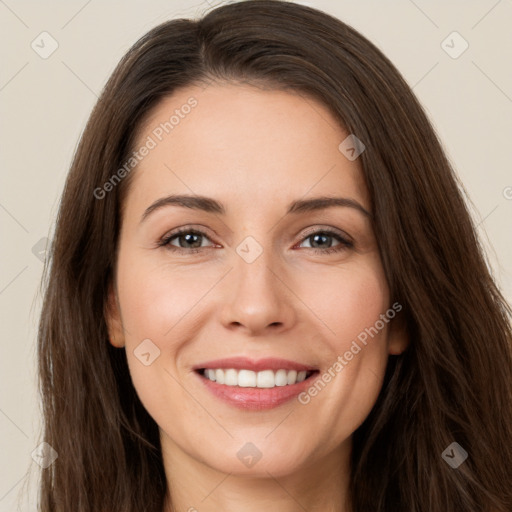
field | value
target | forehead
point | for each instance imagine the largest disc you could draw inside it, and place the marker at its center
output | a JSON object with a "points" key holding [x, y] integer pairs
{"points": [[240, 141]]}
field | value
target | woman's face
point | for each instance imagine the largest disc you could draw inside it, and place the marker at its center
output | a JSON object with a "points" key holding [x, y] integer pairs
{"points": [[260, 274]]}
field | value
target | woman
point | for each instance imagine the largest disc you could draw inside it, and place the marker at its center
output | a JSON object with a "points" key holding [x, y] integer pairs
{"points": [[254, 369]]}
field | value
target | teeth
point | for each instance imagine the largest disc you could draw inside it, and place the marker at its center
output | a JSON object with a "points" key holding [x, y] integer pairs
{"points": [[250, 379], [281, 378], [246, 378], [292, 377], [230, 377], [264, 379]]}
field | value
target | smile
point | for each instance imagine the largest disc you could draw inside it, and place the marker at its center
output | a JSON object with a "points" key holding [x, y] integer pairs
{"points": [[255, 385], [250, 379]]}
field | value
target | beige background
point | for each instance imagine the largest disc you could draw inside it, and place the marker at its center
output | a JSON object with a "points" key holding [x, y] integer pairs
{"points": [[45, 103]]}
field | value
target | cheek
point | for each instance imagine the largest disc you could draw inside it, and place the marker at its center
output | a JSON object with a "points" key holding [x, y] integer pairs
{"points": [[357, 350], [348, 301], [155, 298], [361, 334], [161, 304]]}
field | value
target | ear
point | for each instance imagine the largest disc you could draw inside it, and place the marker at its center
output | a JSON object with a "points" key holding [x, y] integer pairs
{"points": [[113, 318], [398, 338]]}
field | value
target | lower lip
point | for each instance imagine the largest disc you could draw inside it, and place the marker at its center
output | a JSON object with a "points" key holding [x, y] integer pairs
{"points": [[257, 399]]}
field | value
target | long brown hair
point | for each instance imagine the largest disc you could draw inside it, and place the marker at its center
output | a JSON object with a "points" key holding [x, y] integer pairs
{"points": [[452, 384]]}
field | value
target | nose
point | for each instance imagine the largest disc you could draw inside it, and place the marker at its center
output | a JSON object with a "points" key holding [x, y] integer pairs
{"points": [[259, 300]]}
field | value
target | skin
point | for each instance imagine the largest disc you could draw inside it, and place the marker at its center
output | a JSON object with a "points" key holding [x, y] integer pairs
{"points": [[254, 150]]}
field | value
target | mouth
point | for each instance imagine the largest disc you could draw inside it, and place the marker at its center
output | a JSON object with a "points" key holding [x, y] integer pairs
{"points": [[256, 386], [265, 379]]}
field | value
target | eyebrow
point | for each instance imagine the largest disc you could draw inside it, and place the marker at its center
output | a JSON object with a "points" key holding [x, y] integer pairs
{"points": [[210, 205]]}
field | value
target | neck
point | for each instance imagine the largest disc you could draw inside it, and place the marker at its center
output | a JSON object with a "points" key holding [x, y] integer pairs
{"points": [[194, 486]]}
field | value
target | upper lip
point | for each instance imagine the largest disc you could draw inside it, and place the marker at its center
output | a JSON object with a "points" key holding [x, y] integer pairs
{"points": [[244, 363]]}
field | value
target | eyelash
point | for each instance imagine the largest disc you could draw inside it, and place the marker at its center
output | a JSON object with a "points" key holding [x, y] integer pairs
{"points": [[344, 244]]}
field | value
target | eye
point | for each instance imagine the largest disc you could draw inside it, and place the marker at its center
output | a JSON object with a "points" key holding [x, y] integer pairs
{"points": [[320, 238], [190, 241]]}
